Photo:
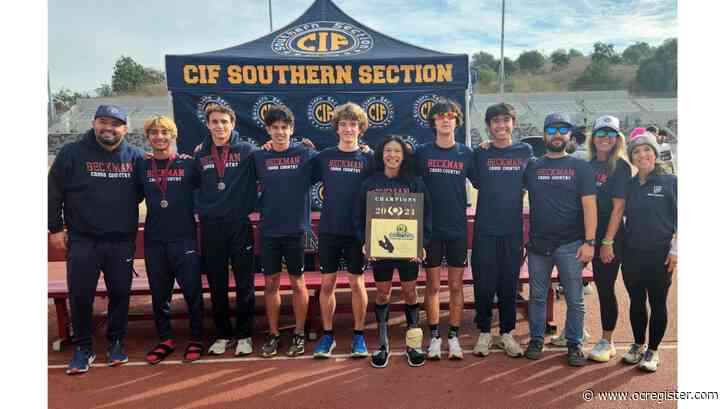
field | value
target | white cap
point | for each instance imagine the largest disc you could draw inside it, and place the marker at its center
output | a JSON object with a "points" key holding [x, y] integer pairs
{"points": [[606, 121]]}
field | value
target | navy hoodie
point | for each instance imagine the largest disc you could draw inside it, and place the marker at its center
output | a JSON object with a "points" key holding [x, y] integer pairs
{"points": [[175, 222], [94, 190], [286, 179], [342, 174], [237, 200], [381, 183]]}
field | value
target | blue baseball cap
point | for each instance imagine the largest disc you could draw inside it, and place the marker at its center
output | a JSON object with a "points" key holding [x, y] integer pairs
{"points": [[111, 111], [558, 118]]}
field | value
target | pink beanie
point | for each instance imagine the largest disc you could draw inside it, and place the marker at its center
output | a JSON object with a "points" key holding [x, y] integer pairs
{"points": [[635, 133]]}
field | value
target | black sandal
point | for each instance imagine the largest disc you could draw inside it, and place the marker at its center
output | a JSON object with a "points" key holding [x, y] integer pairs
{"points": [[195, 348], [158, 353]]}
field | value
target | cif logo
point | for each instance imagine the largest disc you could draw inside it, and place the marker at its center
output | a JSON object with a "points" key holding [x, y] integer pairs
{"points": [[205, 101], [323, 39], [422, 107], [380, 111], [318, 195], [261, 106], [319, 111]]}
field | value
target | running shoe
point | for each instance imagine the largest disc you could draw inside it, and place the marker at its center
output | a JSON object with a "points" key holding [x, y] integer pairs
{"points": [[603, 351], [115, 354], [269, 348], [413, 344], [434, 349], [650, 361], [510, 345], [533, 351], [297, 345], [575, 356], [381, 357], [244, 347], [454, 349], [483, 345], [359, 349], [82, 360], [634, 355], [219, 346], [324, 347], [560, 340]]}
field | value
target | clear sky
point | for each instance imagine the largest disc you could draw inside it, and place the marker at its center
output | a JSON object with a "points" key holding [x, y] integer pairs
{"points": [[85, 37]]}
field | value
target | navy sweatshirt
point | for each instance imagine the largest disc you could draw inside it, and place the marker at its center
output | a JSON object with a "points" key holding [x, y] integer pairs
{"points": [[609, 187], [285, 178], [444, 171], [651, 212], [94, 190], [342, 174], [237, 200], [556, 187], [499, 178], [381, 183], [175, 222]]}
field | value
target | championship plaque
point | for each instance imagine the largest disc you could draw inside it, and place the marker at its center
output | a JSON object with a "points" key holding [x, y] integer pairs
{"points": [[394, 225]]}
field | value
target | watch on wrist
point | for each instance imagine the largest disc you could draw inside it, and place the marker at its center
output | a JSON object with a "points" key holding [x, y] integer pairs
{"points": [[591, 242]]}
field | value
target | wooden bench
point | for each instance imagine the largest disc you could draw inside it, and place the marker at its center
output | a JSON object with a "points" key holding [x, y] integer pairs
{"points": [[58, 288]]}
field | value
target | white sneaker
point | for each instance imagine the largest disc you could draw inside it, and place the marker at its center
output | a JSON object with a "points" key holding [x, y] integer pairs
{"points": [[454, 349], [634, 355], [560, 340], [650, 361], [508, 343], [434, 349], [219, 346], [588, 290], [244, 347], [603, 351], [483, 345]]}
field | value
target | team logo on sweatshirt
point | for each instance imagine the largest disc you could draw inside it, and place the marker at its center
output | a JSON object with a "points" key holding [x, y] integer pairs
{"points": [[205, 101], [380, 111], [318, 195], [422, 106], [261, 106], [319, 111], [323, 39]]}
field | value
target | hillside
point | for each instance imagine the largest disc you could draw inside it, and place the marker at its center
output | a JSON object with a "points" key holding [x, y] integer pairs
{"points": [[550, 81]]}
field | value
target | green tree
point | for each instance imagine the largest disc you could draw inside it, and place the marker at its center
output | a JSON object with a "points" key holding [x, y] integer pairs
{"points": [[104, 90], [605, 52], [487, 75], [637, 52], [573, 53], [67, 98], [659, 72], [560, 59], [509, 66], [483, 60], [597, 76], [531, 61], [129, 76]]}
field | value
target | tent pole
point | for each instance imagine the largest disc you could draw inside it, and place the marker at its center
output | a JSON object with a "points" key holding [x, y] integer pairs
{"points": [[501, 65], [270, 16]]}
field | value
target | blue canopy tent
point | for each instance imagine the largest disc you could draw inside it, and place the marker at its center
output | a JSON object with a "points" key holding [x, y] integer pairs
{"points": [[321, 60]]}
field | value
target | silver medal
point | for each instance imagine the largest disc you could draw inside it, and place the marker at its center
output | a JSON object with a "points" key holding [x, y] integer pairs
{"points": [[164, 204], [221, 186]]}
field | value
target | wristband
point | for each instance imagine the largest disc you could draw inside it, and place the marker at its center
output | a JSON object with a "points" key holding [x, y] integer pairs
{"points": [[606, 242], [673, 247]]}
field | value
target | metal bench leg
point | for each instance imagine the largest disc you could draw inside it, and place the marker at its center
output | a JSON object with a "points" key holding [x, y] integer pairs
{"points": [[550, 324], [63, 320], [312, 323]]}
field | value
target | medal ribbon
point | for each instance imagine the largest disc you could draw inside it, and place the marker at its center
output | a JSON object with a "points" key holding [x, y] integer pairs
{"points": [[220, 164], [162, 178]]}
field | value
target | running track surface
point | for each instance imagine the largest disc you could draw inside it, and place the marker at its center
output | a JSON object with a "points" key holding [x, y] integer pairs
{"points": [[492, 382]]}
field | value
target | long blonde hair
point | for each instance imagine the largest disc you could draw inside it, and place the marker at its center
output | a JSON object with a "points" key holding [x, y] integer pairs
{"points": [[618, 152]]}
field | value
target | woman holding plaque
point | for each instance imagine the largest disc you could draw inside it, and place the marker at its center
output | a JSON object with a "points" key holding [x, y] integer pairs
{"points": [[394, 177]]}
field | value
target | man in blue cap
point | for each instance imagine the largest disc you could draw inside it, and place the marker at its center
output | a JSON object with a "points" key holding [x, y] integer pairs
{"points": [[563, 208], [92, 190]]}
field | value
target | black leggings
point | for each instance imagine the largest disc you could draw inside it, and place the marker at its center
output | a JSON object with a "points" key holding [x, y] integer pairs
{"points": [[646, 278], [605, 275]]}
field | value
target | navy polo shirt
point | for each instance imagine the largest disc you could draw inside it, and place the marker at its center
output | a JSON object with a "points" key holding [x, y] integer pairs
{"points": [[175, 222], [499, 178], [556, 187], [341, 174], [651, 212], [609, 187], [285, 179]]}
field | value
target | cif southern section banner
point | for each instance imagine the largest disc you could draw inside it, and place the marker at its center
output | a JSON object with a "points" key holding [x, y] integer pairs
{"points": [[402, 113]]}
